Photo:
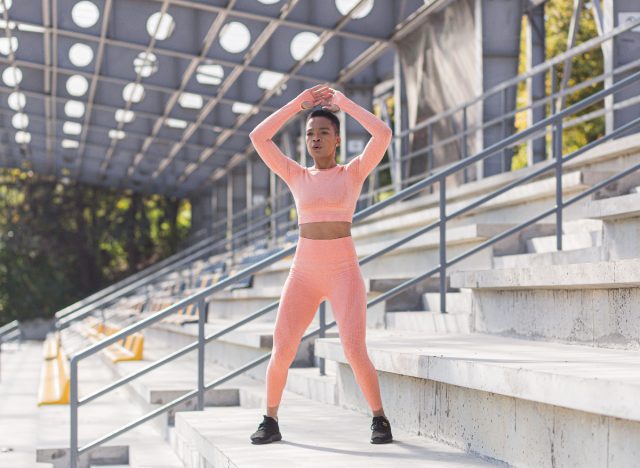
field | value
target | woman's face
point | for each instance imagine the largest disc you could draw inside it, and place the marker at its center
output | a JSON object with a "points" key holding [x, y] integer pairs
{"points": [[321, 138]]}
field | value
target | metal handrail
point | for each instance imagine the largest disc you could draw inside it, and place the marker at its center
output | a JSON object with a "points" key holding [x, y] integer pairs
{"points": [[8, 328], [199, 298], [86, 310]]}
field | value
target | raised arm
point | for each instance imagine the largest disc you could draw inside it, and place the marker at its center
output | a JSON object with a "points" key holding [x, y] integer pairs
{"points": [[380, 132], [262, 135]]}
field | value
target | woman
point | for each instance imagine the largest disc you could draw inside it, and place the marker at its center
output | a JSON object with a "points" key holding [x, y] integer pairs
{"points": [[325, 265]]}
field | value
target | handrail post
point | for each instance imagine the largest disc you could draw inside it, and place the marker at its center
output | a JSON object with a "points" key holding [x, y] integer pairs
{"points": [[429, 153], [322, 319], [73, 421], [465, 150], [443, 245], [558, 155], [556, 148], [201, 348]]}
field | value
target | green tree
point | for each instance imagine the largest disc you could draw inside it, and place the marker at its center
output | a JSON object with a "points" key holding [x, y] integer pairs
{"points": [[584, 66], [61, 242]]}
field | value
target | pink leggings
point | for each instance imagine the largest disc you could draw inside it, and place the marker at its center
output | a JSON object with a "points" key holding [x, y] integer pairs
{"points": [[323, 269]]}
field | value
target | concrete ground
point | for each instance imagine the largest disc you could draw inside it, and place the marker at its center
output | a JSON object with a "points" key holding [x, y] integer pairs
{"points": [[19, 373], [314, 435], [26, 427]]}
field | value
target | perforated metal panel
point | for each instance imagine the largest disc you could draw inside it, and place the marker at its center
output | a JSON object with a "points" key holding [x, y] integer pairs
{"points": [[205, 85]]}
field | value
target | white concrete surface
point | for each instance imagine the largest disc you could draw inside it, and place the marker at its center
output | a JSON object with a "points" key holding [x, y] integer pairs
{"points": [[429, 322], [570, 376], [600, 275], [313, 435]]}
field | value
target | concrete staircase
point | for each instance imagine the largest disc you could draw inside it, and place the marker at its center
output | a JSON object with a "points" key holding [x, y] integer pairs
{"points": [[536, 361]]}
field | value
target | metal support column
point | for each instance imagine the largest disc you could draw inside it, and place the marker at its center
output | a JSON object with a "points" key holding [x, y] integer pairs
{"points": [[443, 244], [323, 322], [536, 49], [201, 350]]}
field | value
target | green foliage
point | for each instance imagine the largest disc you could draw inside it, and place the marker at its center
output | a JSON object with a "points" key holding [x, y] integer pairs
{"points": [[584, 66], [59, 243]]}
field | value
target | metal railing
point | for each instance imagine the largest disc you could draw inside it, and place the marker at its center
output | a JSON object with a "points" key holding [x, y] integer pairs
{"points": [[9, 332], [555, 122]]}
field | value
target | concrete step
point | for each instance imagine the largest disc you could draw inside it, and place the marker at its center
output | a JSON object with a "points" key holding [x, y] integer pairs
{"points": [[621, 207], [429, 322], [313, 435], [456, 301], [583, 240], [171, 381], [515, 205], [612, 156], [422, 253], [562, 257], [577, 234], [524, 402], [589, 303], [96, 419], [621, 231], [238, 347]]}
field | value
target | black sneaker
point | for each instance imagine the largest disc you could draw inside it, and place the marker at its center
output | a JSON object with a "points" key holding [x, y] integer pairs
{"points": [[380, 430], [268, 431]]}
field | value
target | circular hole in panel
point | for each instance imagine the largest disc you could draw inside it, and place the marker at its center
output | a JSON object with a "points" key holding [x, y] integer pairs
{"points": [[12, 76], [23, 137], [8, 45], [70, 144], [20, 121], [17, 100], [7, 4], [302, 43], [209, 74], [74, 109], [191, 101], [133, 92], [234, 37], [160, 25], [85, 14], [80, 54], [145, 64], [77, 85], [72, 128], [124, 116], [117, 134], [344, 6]]}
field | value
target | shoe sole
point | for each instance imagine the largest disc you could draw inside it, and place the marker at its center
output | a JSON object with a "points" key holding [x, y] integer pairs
{"points": [[273, 438], [387, 441]]}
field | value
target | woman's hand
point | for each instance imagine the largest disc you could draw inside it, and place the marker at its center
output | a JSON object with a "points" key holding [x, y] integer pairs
{"points": [[315, 96], [334, 101]]}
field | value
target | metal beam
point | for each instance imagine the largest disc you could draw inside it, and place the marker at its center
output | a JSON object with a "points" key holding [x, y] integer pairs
{"points": [[213, 31], [94, 82]]}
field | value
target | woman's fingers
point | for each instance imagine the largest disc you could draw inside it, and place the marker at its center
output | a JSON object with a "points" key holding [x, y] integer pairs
{"points": [[321, 94]]}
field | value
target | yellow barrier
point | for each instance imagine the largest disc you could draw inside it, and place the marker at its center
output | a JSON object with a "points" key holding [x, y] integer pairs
{"points": [[54, 378], [129, 348]]}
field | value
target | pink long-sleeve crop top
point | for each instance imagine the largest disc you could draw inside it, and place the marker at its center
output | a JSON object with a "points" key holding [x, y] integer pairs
{"points": [[323, 194]]}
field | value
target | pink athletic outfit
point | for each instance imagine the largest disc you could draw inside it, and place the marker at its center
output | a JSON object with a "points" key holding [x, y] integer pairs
{"points": [[323, 268]]}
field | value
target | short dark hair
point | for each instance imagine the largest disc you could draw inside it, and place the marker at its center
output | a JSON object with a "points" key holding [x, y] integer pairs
{"points": [[327, 114]]}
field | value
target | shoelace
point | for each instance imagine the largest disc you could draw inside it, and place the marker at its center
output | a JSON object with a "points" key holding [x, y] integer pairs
{"points": [[264, 424], [379, 424]]}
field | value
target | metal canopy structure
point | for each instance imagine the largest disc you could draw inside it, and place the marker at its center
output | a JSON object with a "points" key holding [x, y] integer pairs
{"points": [[159, 96]]}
